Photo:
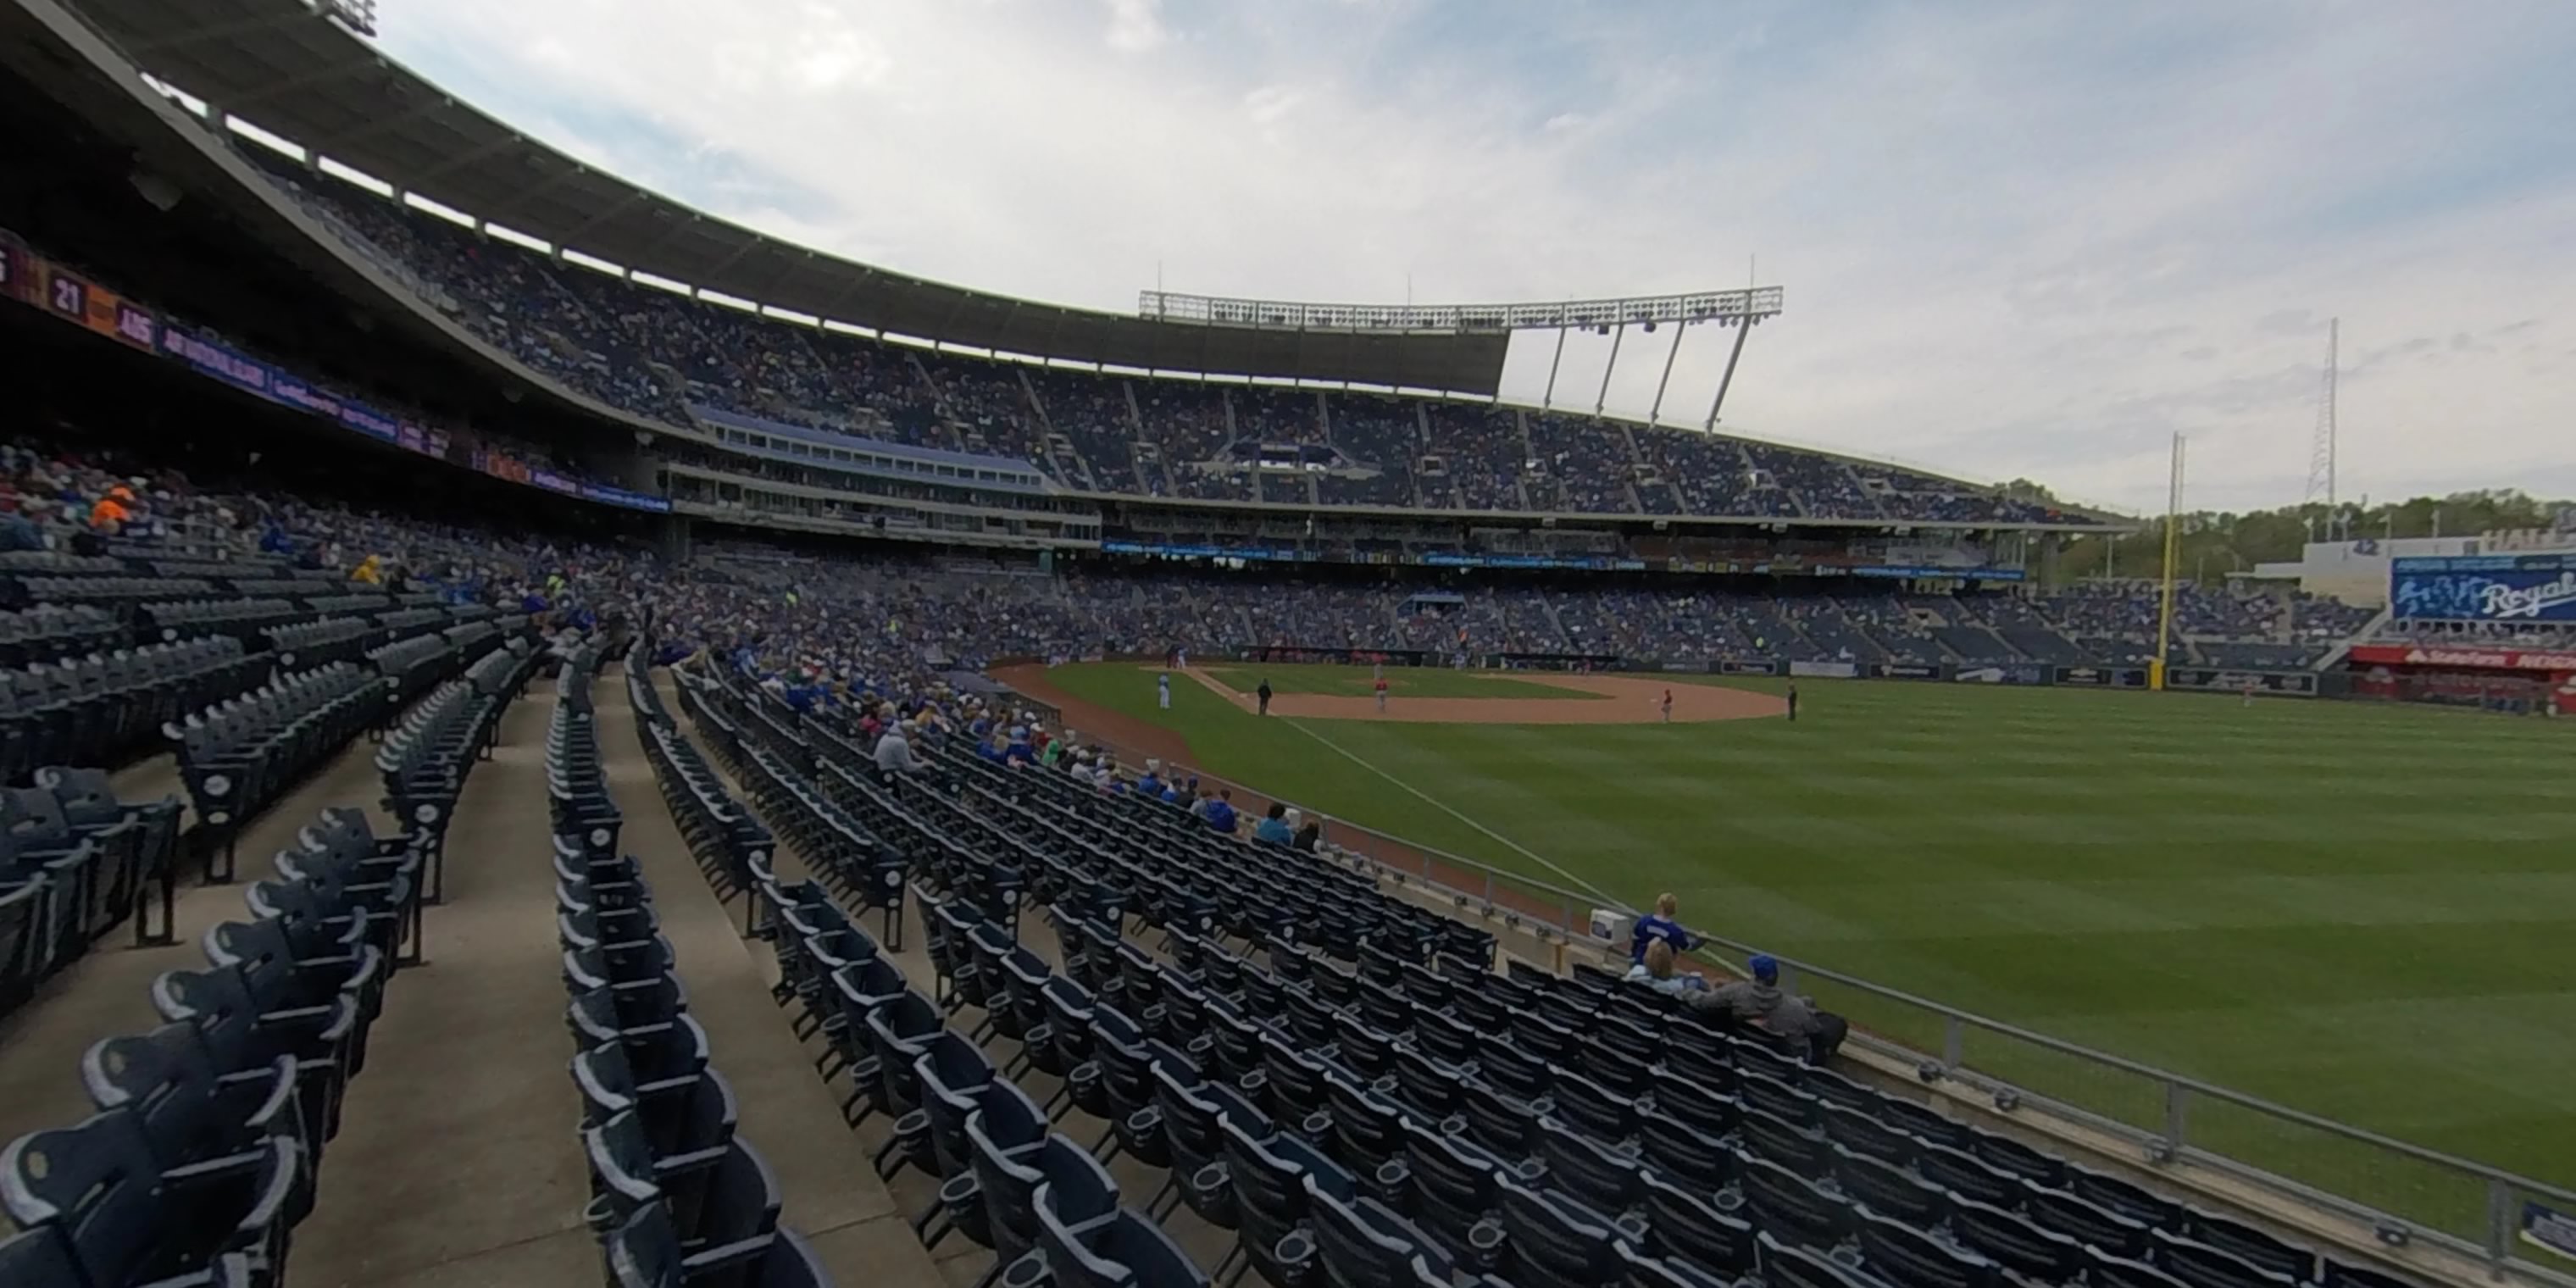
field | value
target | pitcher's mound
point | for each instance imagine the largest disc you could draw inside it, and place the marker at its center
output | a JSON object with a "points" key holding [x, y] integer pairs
{"points": [[1630, 701]]}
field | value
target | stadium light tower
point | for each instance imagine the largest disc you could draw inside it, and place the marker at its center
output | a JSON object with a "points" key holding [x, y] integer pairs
{"points": [[1742, 309], [2321, 449]]}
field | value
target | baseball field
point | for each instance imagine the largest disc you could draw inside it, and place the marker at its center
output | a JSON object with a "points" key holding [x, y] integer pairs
{"points": [[2365, 912]]}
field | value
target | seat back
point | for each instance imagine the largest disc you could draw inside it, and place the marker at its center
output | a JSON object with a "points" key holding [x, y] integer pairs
{"points": [[95, 1184], [1681, 1223], [1365, 1244], [1903, 1256], [2014, 1243], [1785, 1266], [1556, 1240], [1590, 1171], [1786, 1204], [2087, 1223]]}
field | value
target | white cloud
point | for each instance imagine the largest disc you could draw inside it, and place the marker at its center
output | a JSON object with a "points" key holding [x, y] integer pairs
{"points": [[1136, 25], [2016, 240]]}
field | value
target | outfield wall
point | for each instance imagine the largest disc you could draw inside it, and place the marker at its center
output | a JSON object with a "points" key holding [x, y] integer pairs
{"points": [[2212, 679]]}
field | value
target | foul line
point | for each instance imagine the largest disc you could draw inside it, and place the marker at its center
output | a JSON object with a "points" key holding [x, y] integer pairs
{"points": [[1418, 794]]}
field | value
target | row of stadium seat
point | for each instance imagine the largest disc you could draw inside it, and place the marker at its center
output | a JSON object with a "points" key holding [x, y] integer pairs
{"points": [[679, 1198], [105, 709], [74, 861], [211, 1129], [237, 756]]}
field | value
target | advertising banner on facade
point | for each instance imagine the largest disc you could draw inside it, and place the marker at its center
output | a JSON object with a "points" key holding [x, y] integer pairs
{"points": [[2002, 673], [2109, 677], [2301, 684], [2496, 659], [1905, 670], [1748, 666], [1825, 670], [2485, 588]]}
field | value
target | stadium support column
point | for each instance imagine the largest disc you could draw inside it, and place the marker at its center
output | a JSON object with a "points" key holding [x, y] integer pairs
{"points": [[1548, 399], [1743, 328], [1608, 368], [1656, 416]]}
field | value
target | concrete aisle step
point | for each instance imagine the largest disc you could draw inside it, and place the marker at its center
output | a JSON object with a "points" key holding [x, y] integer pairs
{"points": [[832, 1195], [459, 1159], [107, 990]]}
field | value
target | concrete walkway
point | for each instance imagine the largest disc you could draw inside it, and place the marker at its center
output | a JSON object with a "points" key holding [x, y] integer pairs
{"points": [[832, 1196], [458, 1159]]}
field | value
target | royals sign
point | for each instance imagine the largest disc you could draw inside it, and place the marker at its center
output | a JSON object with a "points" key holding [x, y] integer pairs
{"points": [[2486, 588]]}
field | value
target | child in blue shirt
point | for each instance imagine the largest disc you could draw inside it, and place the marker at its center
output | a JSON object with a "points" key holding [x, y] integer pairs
{"points": [[1659, 925]]}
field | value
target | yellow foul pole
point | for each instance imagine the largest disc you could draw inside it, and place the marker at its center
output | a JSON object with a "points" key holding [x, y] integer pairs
{"points": [[2173, 547]]}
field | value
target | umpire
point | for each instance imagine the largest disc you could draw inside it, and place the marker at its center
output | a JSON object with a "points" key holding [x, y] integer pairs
{"points": [[1263, 693]]}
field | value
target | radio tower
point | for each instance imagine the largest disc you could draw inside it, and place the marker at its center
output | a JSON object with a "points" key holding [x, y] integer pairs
{"points": [[2321, 452]]}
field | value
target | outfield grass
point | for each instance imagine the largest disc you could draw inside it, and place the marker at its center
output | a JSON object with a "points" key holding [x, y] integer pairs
{"points": [[2360, 911], [1401, 682]]}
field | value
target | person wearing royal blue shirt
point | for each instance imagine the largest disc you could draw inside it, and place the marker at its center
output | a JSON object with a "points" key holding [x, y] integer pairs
{"points": [[1220, 812], [1659, 924], [1020, 751], [1273, 826]]}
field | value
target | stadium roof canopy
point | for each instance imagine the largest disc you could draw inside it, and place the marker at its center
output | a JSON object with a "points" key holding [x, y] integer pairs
{"points": [[285, 67]]}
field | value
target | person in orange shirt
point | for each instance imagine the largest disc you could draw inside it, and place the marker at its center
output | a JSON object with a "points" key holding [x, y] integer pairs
{"points": [[113, 510]]}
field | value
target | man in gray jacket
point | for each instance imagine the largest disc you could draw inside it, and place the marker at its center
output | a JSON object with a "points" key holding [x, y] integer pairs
{"points": [[894, 751], [1759, 1001]]}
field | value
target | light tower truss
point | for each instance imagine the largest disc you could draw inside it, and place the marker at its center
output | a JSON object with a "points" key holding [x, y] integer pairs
{"points": [[1742, 309]]}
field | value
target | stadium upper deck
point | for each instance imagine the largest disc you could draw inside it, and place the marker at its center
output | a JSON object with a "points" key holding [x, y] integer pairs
{"points": [[758, 385]]}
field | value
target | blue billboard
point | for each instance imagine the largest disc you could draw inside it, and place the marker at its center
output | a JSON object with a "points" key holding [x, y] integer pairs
{"points": [[2485, 588]]}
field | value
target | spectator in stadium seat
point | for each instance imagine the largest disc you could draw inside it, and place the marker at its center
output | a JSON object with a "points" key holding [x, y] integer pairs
{"points": [[1656, 972], [1812, 1033], [894, 751], [113, 511], [1659, 927], [1220, 812], [18, 532], [1273, 826], [1309, 832]]}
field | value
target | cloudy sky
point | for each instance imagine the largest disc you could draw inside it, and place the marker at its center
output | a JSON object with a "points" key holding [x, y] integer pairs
{"points": [[2016, 240]]}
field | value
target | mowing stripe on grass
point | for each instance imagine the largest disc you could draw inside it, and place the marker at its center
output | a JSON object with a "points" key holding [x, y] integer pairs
{"points": [[1533, 855]]}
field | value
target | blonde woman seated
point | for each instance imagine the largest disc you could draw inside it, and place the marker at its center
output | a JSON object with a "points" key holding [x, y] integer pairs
{"points": [[1656, 972]]}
